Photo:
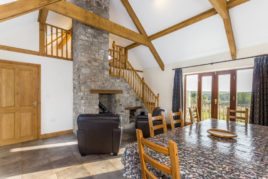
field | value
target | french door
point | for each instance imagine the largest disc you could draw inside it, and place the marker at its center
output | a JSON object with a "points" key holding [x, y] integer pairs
{"points": [[212, 93]]}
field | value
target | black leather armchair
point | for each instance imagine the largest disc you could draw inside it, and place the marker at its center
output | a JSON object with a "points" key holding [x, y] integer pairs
{"points": [[143, 124], [98, 133]]}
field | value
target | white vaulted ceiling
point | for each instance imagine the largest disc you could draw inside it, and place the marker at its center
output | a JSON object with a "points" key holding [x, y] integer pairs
{"points": [[202, 39]]}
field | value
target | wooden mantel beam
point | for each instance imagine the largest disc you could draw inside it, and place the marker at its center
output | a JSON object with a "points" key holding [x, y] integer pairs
{"points": [[140, 28], [20, 7], [75, 12], [190, 21], [221, 7]]}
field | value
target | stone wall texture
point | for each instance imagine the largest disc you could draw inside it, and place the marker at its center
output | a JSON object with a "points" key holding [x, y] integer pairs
{"points": [[91, 68]]}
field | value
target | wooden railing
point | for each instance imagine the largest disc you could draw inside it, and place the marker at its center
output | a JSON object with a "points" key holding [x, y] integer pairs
{"points": [[57, 42], [120, 67]]}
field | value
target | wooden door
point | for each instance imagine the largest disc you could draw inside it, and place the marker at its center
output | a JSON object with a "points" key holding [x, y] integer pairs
{"points": [[19, 102]]}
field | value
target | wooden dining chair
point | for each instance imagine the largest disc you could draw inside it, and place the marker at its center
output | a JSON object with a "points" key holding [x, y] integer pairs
{"points": [[194, 115], [172, 151], [176, 118], [234, 114], [157, 123]]}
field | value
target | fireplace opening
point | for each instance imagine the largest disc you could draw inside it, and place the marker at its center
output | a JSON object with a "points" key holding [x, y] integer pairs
{"points": [[107, 103]]}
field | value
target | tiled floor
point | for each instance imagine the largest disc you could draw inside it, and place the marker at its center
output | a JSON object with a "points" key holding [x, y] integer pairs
{"points": [[57, 158]]}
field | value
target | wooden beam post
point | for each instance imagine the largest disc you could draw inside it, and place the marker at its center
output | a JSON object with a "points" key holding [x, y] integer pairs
{"points": [[140, 28], [42, 37], [42, 17]]}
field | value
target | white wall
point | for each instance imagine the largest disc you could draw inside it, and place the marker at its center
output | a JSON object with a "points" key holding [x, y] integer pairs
{"points": [[56, 90], [21, 32], [56, 75], [162, 81]]}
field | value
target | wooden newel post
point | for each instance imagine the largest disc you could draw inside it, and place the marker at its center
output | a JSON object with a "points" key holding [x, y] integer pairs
{"points": [[113, 56], [157, 100], [126, 57], [142, 86]]}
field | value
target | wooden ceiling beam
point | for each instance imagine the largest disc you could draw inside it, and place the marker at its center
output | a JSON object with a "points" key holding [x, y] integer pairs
{"points": [[42, 16], [20, 7], [75, 12], [221, 7], [140, 28], [188, 22], [230, 36], [134, 17]]}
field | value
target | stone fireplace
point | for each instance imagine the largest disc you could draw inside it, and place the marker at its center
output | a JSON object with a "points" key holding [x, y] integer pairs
{"points": [[107, 100], [91, 68]]}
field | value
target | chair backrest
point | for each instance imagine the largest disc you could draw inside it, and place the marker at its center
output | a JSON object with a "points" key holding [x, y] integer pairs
{"points": [[234, 114], [194, 115], [172, 151], [176, 118], [157, 123]]}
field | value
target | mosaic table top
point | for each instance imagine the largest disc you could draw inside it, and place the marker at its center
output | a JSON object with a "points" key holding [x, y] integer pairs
{"points": [[204, 156]]}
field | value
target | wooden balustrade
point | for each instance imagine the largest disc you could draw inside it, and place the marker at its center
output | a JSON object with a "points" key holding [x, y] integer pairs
{"points": [[120, 67], [57, 42]]}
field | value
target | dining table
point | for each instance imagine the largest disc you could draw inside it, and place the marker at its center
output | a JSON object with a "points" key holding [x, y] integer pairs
{"points": [[202, 155]]}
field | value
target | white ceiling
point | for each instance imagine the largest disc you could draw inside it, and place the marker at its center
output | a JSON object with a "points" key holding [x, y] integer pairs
{"points": [[202, 39]]}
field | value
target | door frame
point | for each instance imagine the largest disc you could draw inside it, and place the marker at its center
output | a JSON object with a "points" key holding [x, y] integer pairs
{"points": [[214, 74], [233, 85], [38, 66], [199, 102]]}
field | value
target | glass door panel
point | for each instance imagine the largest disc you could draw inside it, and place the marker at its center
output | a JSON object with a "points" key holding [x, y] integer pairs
{"points": [[212, 93], [224, 95], [191, 93], [244, 88], [206, 97]]}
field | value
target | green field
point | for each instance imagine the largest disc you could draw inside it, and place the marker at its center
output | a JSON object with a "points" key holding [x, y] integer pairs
{"points": [[243, 101]]}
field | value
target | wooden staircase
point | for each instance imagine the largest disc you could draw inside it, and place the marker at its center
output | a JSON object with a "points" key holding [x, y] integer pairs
{"points": [[120, 67]]}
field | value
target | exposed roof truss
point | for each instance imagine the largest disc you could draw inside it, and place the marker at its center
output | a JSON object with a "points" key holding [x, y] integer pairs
{"points": [[221, 7], [140, 28], [211, 12]]}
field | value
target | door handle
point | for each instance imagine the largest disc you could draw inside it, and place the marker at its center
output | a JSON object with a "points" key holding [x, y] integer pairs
{"points": [[215, 101], [233, 98], [35, 103]]}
